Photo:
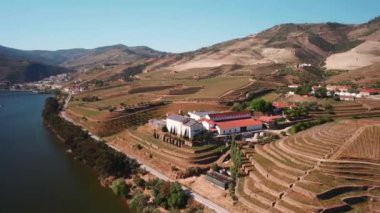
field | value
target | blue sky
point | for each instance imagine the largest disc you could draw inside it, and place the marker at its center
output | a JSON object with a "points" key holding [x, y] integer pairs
{"points": [[167, 25]]}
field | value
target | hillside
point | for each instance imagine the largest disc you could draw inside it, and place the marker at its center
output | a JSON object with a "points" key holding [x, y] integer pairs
{"points": [[18, 71], [286, 43], [84, 58], [24, 66], [330, 168]]}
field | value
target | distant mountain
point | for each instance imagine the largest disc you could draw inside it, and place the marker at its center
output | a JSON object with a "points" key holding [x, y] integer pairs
{"points": [[287, 43], [334, 45], [22, 65], [20, 71], [84, 58]]}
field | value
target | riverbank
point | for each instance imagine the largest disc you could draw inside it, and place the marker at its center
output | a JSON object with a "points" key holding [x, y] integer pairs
{"points": [[37, 174], [116, 169]]}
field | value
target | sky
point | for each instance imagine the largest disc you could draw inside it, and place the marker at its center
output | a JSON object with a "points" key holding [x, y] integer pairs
{"points": [[166, 25]]}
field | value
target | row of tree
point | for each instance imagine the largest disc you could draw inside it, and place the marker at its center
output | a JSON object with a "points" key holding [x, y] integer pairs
{"points": [[99, 156]]}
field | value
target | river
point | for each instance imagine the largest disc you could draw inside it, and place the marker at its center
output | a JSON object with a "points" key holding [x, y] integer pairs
{"points": [[36, 174]]}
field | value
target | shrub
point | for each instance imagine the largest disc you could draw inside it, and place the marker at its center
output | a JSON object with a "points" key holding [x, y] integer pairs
{"points": [[193, 171], [215, 167], [120, 188], [305, 125], [139, 181], [139, 202], [138, 146]]}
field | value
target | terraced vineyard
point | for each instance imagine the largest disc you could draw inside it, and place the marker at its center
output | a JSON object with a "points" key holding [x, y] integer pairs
{"points": [[323, 169], [362, 108]]}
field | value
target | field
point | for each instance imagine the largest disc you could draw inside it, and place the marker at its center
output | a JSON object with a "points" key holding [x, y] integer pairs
{"points": [[321, 169]]}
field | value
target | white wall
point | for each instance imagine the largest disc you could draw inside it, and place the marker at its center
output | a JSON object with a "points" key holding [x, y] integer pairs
{"points": [[237, 129], [181, 129]]}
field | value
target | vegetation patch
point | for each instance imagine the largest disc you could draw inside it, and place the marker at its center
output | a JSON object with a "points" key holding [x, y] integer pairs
{"points": [[148, 89], [308, 124], [184, 91], [97, 155]]}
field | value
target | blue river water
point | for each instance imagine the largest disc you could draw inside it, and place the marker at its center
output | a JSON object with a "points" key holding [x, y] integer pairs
{"points": [[36, 174]]}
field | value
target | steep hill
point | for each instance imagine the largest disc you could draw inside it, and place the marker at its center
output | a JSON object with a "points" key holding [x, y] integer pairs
{"points": [[286, 43]]}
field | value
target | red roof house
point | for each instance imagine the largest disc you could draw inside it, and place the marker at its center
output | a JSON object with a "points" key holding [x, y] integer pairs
{"points": [[236, 126]]}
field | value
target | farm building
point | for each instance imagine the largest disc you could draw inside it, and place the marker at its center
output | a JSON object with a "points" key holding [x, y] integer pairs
{"points": [[368, 92], [282, 105], [218, 179], [270, 121], [199, 115], [208, 124], [293, 86], [237, 126], [340, 88], [183, 126], [225, 116]]}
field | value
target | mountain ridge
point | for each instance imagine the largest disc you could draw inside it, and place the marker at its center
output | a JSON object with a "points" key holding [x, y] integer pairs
{"points": [[289, 43]]}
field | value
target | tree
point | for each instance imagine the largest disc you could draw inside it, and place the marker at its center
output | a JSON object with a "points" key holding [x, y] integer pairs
{"points": [[261, 105], [296, 112], [161, 193], [120, 188], [178, 198], [303, 90], [98, 83], [321, 92], [139, 181], [139, 202]]}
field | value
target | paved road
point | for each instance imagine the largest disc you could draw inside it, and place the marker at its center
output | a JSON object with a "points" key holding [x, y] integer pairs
{"points": [[196, 196]]}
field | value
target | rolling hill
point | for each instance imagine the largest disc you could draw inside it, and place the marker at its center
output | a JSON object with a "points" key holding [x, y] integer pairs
{"points": [[289, 43], [19, 71], [333, 45], [22, 66]]}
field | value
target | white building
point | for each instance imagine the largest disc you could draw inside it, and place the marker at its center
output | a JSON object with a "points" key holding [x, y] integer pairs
{"points": [[228, 116], [293, 86], [183, 126], [237, 126], [199, 115]]}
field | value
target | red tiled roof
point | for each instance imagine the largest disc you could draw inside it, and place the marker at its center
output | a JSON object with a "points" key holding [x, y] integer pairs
{"points": [[238, 123], [270, 118], [282, 105], [370, 90], [228, 114], [207, 120]]}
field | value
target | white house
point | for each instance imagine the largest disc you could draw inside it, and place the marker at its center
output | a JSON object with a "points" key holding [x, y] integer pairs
{"points": [[183, 126], [199, 115], [237, 126], [293, 86], [208, 124]]}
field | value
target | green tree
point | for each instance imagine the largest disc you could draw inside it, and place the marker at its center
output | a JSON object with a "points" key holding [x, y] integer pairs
{"points": [[303, 90], [120, 188], [139, 202], [178, 198], [261, 105], [139, 181], [321, 92]]}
